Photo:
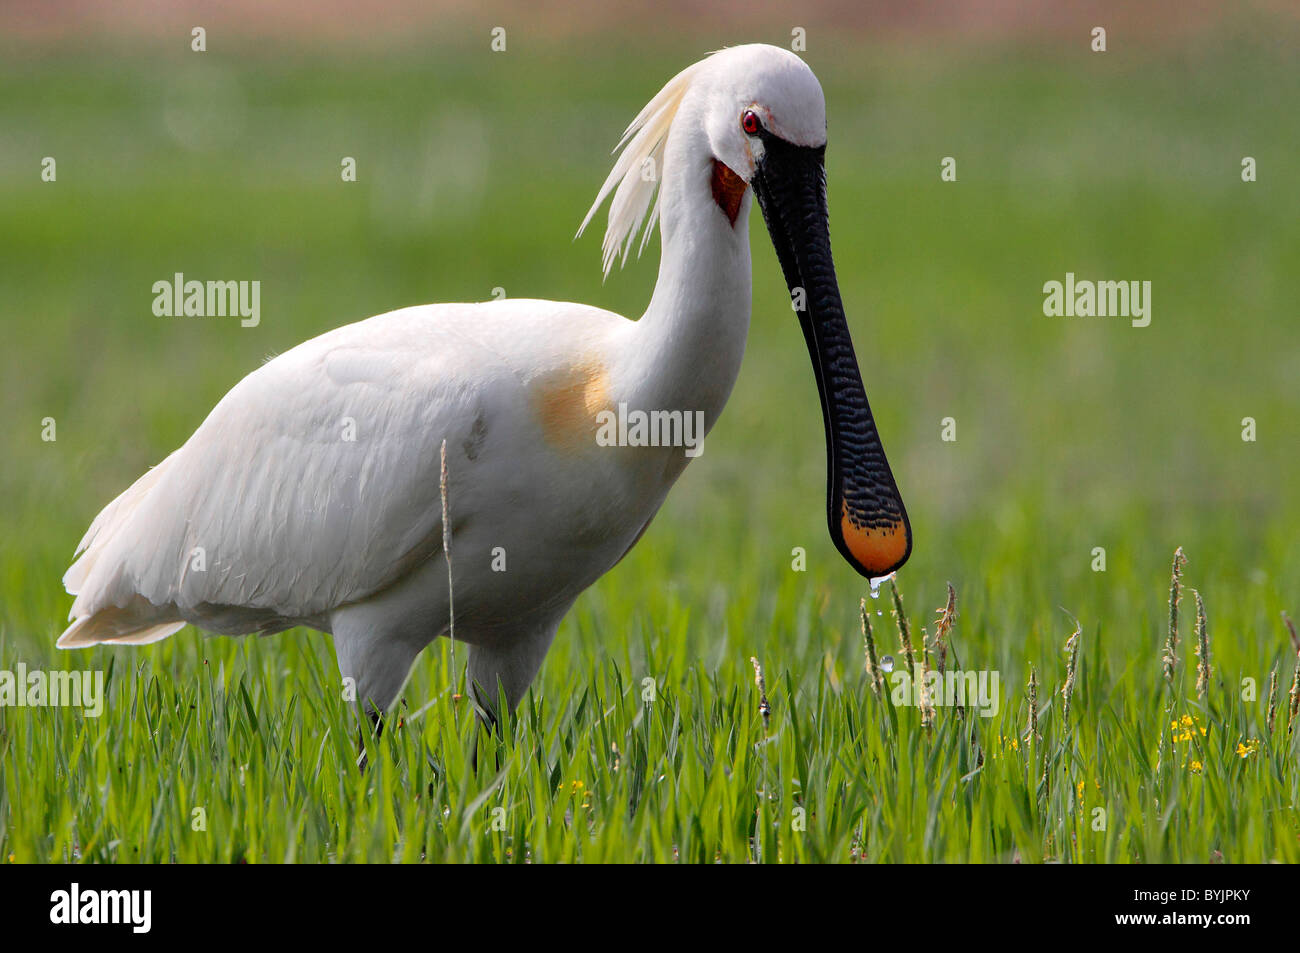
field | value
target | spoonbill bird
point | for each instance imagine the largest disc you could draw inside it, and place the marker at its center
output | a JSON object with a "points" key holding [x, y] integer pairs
{"points": [[274, 515]]}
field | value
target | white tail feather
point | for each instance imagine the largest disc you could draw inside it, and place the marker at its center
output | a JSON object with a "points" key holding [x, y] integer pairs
{"points": [[110, 519], [115, 626], [95, 619]]}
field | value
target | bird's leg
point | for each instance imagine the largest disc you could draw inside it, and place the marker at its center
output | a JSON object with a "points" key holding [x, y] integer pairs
{"points": [[376, 719], [500, 671], [373, 664], [486, 715]]}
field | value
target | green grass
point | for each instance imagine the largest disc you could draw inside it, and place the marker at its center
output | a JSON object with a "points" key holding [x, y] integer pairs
{"points": [[1071, 434]]}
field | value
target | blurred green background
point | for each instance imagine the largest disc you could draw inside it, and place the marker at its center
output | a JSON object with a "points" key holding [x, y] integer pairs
{"points": [[475, 169]]}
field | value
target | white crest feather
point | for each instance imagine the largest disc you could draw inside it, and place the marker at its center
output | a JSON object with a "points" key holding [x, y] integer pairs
{"points": [[643, 141]]}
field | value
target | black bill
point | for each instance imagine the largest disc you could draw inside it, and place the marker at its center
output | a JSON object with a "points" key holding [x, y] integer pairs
{"points": [[864, 510]]}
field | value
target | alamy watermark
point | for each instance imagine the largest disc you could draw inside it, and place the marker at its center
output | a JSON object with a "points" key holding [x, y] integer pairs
{"points": [[1085, 299], [651, 428], [951, 689], [133, 908], [21, 688], [179, 298]]}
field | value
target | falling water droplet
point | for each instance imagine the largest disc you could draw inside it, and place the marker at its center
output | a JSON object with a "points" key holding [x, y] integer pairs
{"points": [[877, 582], [887, 663]]}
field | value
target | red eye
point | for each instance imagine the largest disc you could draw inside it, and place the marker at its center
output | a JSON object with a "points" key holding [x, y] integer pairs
{"points": [[749, 122]]}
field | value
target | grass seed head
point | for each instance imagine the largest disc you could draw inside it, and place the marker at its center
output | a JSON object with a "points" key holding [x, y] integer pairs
{"points": [[904, 631], [947, 617], [1033, 704], [1203, 669], [446, 549], [1175, 596], [874, 675], [1272, 699], [927, 703], [1293, 708], [764, 708], [1071, 670]]}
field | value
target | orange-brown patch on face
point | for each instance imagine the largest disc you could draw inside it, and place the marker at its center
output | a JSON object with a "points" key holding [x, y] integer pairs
{"points": [[728, 190], [567, 401], [878, 550]]}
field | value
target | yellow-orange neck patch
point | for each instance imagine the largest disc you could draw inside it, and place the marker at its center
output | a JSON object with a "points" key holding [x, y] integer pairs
{"points": [[567, 402]]}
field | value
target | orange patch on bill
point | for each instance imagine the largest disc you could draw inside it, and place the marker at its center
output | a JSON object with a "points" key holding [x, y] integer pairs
{"points": [[878, 550], [566, 403]]}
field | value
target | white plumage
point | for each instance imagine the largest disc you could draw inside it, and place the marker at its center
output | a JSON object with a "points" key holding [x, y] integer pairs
{"points": [[310, 494]]}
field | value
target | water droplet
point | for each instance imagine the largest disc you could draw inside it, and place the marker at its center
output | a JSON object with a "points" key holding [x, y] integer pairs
{"points": [[887, 663], [876, 583]]}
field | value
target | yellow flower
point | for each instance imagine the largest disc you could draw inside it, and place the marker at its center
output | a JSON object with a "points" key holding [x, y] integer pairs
{"points": [[1248, 748], [1080, 789], [1185, 727], [1196, 767], [578, 791], [1003, 744]]}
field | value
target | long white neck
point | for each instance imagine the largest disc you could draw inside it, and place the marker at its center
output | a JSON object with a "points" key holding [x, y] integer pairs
{"points": [[691, 339]]}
